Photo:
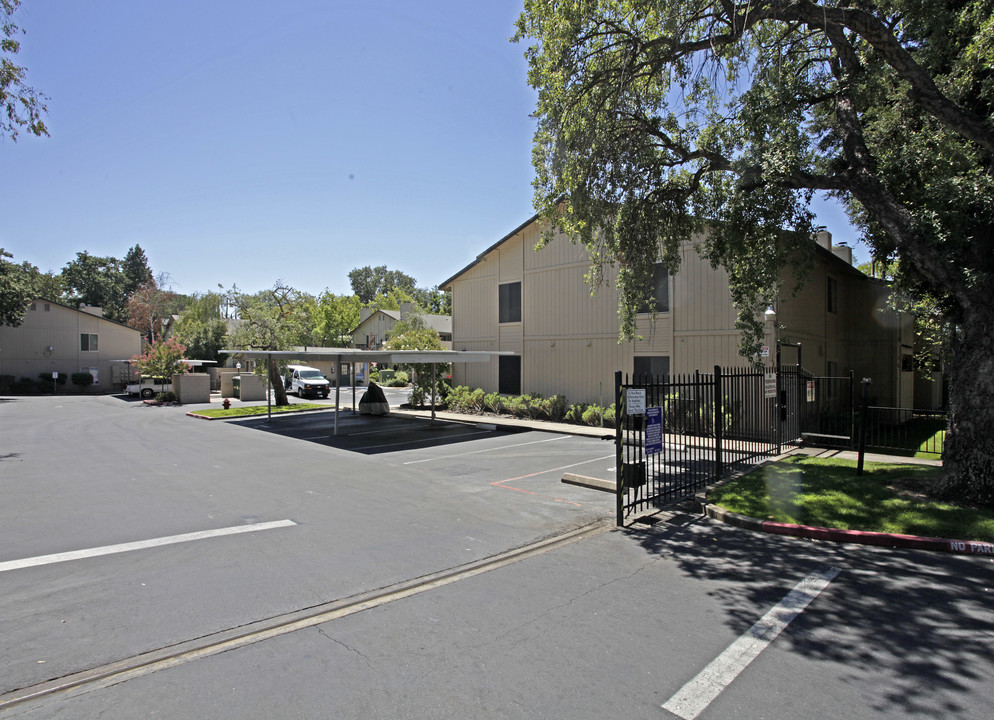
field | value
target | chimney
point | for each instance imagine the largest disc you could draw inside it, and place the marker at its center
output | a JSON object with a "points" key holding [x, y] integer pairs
{"points": [[364, 314], [824, 238], [92, 310], [406, 308], [843, 251]]}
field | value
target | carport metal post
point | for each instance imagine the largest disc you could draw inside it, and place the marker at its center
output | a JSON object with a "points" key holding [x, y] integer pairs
{"points": [[269, 388], [338, 382], [434, 369]]}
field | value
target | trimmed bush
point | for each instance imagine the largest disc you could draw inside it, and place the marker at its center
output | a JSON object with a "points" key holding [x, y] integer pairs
{"points": [[575, 413], [556, 407], [493, 402], [46, 378], [7, 383], [167, 397], [593, 415], [82, 379], [25, 386], [400, 379]]}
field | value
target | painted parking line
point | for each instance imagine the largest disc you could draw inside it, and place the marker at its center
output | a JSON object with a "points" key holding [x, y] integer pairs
{"points": [[485, 450], [500, 483], [139, 545], [691, 700]]}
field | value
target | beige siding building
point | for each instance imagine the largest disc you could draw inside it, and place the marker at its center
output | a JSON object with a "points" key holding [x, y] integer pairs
{"points": [[565, 340], [56, 338], [375, 325]]}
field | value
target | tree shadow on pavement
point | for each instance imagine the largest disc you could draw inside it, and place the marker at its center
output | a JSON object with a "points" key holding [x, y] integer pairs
{"points": [[923, 619]]}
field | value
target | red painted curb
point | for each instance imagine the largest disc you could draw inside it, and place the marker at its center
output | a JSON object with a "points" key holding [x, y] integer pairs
{"points": [[964, 547]]}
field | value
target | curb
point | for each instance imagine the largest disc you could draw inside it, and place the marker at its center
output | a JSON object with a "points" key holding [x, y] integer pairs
{"points": [[914, 542]]}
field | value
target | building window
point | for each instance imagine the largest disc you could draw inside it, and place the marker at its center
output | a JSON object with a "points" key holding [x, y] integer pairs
{"points": [[510, 302], [660, 291], [651, 366], [907, 363], [88, 342], [509, 379], [94, 372], [832, 301], [48, 308]]}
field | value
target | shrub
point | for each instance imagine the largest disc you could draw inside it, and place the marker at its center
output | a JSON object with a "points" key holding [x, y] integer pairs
{"points": [[575, 413], [494, 402], [46, 378], [25, 386], [82, 379], [452, 399], [593, 415], [609, 414], [6, 383], [400, 379], [556, 407], [519, 406], [167, 397], [374, 376]]}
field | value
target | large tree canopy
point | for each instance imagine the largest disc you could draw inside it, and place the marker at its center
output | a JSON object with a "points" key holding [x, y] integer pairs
{"points": [[654, 114]]}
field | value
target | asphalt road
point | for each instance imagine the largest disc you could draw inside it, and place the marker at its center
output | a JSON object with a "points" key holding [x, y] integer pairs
{"points": [[381, 596]]}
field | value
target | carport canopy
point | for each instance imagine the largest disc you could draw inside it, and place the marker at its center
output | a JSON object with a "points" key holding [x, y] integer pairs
{"points": [[390, 357]]}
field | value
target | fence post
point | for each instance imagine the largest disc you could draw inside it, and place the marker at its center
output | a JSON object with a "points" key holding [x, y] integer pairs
{"points": [[719, 421], [862, 425], [619, 462], [852, 409]]}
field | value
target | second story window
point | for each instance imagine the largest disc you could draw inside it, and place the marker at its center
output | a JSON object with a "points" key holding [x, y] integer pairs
{"points": [[660, 291], [510, 302], [88, 342]]}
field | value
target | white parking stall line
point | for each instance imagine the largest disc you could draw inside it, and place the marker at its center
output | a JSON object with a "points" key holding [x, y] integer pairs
{"points": [[140, 545], [475, 452], [691, 700]]}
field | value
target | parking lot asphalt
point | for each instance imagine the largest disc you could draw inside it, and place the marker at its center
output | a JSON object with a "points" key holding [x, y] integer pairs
{"points": [[424, 579]]}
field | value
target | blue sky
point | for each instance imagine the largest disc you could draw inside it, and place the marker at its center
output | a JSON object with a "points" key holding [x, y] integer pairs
{"points": [[244, 142]]}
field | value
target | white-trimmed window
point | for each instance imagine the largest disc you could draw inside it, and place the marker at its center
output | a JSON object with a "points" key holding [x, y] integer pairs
{"points": [[88, 342]]}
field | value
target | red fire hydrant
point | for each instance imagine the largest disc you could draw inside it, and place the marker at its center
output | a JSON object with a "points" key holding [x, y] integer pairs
{"points": [[226, 404]]}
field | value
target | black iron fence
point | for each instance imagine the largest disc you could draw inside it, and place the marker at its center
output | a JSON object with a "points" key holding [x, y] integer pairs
{"points": [[907, 432], [677, 434]]}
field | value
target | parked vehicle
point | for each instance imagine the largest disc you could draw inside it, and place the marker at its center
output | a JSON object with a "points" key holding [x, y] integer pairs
{"points": [[149, 387], [306, 381]]}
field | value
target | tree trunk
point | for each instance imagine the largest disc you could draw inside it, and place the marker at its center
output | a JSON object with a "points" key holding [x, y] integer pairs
{"points": [[968, 459], [279, 392]]}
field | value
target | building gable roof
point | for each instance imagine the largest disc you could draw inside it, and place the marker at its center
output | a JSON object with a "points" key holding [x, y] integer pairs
{"points": [[83, 312]]}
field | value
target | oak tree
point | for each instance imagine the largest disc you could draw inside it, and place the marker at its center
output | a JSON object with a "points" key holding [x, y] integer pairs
{"points": [[655, 114]]}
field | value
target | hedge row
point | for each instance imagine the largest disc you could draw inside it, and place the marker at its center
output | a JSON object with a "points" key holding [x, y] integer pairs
{"points": [[532, 406]]}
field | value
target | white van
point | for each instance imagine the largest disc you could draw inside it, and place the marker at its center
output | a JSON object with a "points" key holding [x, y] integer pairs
{"points": [[303, 380]]}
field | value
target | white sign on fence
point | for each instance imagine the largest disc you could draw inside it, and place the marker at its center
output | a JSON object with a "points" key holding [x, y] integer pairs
{"points": [[769, 385], [635, 401]]}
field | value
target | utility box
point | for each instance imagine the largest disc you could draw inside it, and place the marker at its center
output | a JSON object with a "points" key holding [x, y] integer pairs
{"points": [[192, 388], [251, 387]]}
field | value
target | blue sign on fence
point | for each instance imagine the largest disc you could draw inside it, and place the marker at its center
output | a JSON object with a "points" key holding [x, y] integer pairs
{"points": [[653, 430]]}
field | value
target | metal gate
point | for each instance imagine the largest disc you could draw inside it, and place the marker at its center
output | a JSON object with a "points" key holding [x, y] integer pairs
{"points": [[677, 434]]}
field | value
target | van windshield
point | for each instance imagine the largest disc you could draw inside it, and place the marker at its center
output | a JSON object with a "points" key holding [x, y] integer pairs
{"points": [[311, 375]]}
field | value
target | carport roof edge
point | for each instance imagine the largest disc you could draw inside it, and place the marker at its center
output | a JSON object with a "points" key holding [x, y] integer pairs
{"points": [[393, 357]]}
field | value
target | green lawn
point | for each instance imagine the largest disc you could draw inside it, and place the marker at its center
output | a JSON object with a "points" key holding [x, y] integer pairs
{"points": [[827, 493], [258, 410]]}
